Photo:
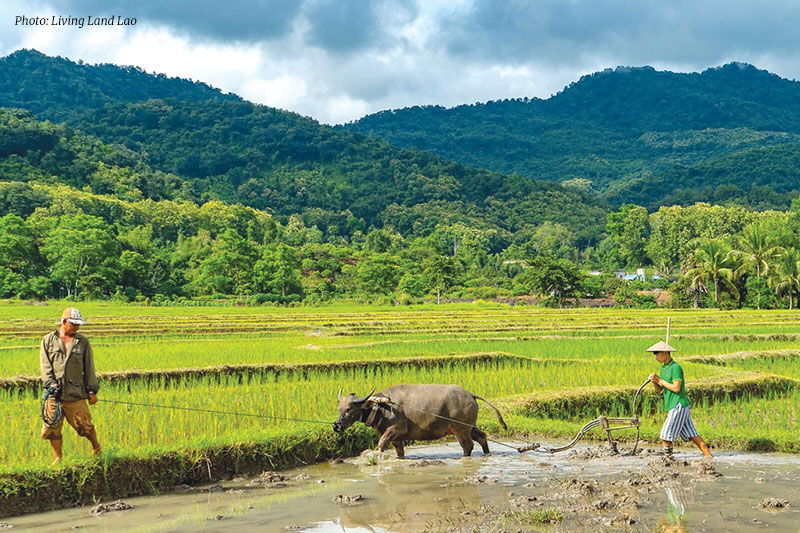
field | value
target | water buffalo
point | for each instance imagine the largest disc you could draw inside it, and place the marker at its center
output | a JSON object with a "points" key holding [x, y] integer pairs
{"points": [[416, 412]]}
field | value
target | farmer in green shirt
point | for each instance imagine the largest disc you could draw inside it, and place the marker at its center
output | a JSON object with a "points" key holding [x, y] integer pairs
{"points": [[676, 403]]}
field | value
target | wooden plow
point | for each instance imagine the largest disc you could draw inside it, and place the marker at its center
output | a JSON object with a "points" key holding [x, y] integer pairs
{"points": [[609, 424]]}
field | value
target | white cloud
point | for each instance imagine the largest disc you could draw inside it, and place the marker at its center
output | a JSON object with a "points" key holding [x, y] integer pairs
{"points": [[284, 92], [343, 109], [159, 49]]}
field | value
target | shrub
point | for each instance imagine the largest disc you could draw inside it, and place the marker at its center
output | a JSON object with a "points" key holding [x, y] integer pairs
{"points": [[644, 301]]}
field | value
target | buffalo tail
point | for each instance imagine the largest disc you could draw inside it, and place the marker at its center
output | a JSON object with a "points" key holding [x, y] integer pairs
{"points": [[496, 410]]}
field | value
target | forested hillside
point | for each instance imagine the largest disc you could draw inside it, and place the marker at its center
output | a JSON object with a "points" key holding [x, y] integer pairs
{"points": [[228, 149], [33, 151], [285, 163], [188, 193], [57, 89], [151, 202], [636, 134]]}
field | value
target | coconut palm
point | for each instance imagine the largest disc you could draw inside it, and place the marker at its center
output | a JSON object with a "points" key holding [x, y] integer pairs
{"points": [[696, 291], [755, 249], [665, 269], [786, 274], [712, 265]]}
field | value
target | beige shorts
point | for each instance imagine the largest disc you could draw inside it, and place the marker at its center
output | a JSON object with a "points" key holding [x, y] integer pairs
{"points": [[77, 415]]}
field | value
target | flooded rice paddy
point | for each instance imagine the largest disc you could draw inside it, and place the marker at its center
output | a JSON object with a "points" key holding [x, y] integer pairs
{"points": [[435, 489]]}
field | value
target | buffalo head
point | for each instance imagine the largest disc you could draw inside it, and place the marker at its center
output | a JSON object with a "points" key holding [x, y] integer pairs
{"points": [[350, 408]]}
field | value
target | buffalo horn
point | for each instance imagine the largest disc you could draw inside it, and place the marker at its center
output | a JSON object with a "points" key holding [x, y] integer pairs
{"points": [[364, 399], [340, 393]]}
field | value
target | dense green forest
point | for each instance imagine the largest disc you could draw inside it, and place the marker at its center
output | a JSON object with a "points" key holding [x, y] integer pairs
{"points": [[144, 187], [728, 134], [238, 152], [285, 163], [57, 89]]}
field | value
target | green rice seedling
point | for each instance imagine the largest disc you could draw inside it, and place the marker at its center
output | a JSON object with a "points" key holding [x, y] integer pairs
{"points": [[145, 353], [310, 395], [532, 516], [785, 365], [577, 364]]}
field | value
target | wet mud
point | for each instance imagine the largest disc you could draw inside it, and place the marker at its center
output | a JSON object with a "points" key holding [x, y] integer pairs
{"points": [[435, 489], [118, 505]]}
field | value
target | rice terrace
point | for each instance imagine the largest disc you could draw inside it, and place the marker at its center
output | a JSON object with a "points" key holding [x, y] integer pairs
{"points": [[180, 373]]}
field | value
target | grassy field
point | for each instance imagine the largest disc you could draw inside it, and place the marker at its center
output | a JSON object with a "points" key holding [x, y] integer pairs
{"points": [[550, 370], [145, 353]]}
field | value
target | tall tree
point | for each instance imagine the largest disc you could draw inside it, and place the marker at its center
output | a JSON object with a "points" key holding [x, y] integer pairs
{"points": [[786, 275], [17, 245], [555, 240], [629, 227], [379, 274], [277, 273], [755, 249], [552, 278], [228, 269], [83, 255], [712, 265], [440, 274]]}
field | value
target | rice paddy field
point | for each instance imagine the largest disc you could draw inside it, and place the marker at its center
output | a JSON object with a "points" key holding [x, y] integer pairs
{"points": [[279, 370]]}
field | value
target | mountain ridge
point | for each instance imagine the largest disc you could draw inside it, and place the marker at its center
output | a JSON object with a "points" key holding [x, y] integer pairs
{"points": [[595, 127], [633, 134], [213, 147], [74, 87]]}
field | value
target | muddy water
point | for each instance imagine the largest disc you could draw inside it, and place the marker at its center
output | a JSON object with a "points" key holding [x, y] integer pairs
{"points": [[435, 489]]}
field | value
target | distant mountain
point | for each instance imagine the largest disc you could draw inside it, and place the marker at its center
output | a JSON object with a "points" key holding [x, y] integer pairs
{"points": [[639, 135], [33, 151], [284, 163], [188, 141], [57, 89]]}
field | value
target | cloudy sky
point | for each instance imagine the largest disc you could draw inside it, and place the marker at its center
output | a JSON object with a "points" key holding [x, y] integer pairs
{"points": [[337, 60]]}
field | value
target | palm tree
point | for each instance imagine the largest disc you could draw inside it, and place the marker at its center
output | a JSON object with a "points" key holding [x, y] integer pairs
{"points": [[755, 247], [786, 275], [712, 264], [696, 291], [665, 269]]}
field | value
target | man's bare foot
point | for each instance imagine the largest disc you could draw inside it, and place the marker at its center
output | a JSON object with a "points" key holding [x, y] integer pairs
{"points": [[56, 461], [96, 452]]}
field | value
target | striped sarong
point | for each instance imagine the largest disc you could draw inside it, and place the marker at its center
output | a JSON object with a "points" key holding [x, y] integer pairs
{"points": [[678, 423]]}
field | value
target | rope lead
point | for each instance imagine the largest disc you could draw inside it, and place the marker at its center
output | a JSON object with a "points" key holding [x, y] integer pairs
{"points": [[54, 419], [232, 413]]}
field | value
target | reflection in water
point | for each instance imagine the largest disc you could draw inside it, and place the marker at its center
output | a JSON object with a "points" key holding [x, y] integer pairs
{"points": [[676, 519], [403, 493], [333, 526], [434, 494]]}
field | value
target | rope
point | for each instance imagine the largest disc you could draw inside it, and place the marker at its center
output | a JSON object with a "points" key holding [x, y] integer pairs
{"points": [[213, 411], [55, 419], [534, 447]]}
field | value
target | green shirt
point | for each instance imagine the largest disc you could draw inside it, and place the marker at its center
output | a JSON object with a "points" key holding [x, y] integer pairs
{"points": [[669, 373]]}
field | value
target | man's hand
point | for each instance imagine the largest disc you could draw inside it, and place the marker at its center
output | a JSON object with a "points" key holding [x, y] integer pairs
{"points": [[92, 398], [654, 378]]}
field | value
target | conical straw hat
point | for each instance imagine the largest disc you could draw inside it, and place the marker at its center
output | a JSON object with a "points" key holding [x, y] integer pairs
{"points": [[661, 346]]}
